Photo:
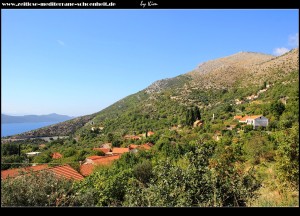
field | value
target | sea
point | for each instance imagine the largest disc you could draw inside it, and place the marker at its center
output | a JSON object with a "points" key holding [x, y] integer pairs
{"points": [[16, 128]]}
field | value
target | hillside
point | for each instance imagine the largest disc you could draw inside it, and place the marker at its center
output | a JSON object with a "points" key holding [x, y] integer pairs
{"points": [[164, 103], [219, 81], [195, 152], [5, 119]]}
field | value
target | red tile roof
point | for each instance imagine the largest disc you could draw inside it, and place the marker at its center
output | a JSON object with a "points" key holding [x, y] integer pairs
{"points": [[244, 118], [56, 155], [94, 157], [120, 150], [250, 117], [66, 171], [87, 169], [254, 116], [17, 171], [237, 117], [133, 146], [150, 133], [104, 150]]}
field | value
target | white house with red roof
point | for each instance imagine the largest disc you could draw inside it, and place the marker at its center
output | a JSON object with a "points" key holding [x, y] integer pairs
{"points": [[255, 120]]}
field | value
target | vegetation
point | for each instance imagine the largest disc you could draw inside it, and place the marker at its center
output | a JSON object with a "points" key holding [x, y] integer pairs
{"points": [[219, 163]]}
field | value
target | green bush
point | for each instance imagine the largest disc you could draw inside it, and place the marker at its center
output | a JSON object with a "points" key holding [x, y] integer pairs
{"points": [[42, 189]]}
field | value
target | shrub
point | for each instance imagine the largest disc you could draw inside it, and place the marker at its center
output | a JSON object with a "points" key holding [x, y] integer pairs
{"points": [[42, 189]]}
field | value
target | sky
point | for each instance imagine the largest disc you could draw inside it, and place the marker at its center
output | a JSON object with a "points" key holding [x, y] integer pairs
{"points": [[77, 62]]}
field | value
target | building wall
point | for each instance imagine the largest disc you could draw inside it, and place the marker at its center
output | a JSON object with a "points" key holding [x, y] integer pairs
{"points": [[262, 121]]}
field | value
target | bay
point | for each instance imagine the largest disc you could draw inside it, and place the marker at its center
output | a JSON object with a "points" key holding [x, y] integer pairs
{"points": [[16, 128]]}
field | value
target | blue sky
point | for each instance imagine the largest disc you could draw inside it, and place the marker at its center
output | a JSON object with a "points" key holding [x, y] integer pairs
{"points": [[78, 62]]}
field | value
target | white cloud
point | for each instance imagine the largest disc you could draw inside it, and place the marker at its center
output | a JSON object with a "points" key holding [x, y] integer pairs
{"points": [[280, 51], [294, 40], [61, 42]]}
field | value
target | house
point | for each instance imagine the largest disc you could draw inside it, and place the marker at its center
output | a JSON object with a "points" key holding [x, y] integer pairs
{"points": [[104, 150], [32, 154], [18, 171], [135, 148], [65, 171], [91, 159], [255, 120], [150, 133], [132, 137], [88, 168], [132, 146], [119, 151]]}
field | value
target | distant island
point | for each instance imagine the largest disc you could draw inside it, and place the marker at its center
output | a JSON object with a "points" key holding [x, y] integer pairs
{"points": [[53, 117]]}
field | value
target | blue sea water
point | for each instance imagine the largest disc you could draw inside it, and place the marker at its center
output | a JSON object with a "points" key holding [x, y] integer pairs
{"points": [[16, 128]]}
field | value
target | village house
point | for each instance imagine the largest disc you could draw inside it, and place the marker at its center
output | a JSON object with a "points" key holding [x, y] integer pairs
{"points": [[91, 162], [150, 133], [255, 120], [65, 171], [104, 150], [92, 159], [135, 148], [32, 154], [132, 137], [119, 151]]}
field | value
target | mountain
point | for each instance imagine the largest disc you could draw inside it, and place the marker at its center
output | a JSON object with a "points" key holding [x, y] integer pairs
{"points": [[211, 86], [6, 119]]}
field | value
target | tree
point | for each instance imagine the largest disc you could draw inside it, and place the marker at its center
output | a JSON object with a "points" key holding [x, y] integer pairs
{"points": [[197, 114], [277, 108], [287, 156], [42, 189]]}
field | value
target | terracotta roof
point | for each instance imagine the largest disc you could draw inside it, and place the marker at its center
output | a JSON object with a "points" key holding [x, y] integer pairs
{"points": [[104, 150], [244, 118], [66, 171], [250, 117], [150, 133], [94, 157], [133, 146], [56, 155], [120, 150], [17, 171], [254, 116], [237, 117], [87, 169]]}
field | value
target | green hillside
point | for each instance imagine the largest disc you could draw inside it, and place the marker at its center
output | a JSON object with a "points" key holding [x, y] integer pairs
{"points": [[200, 156]]}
